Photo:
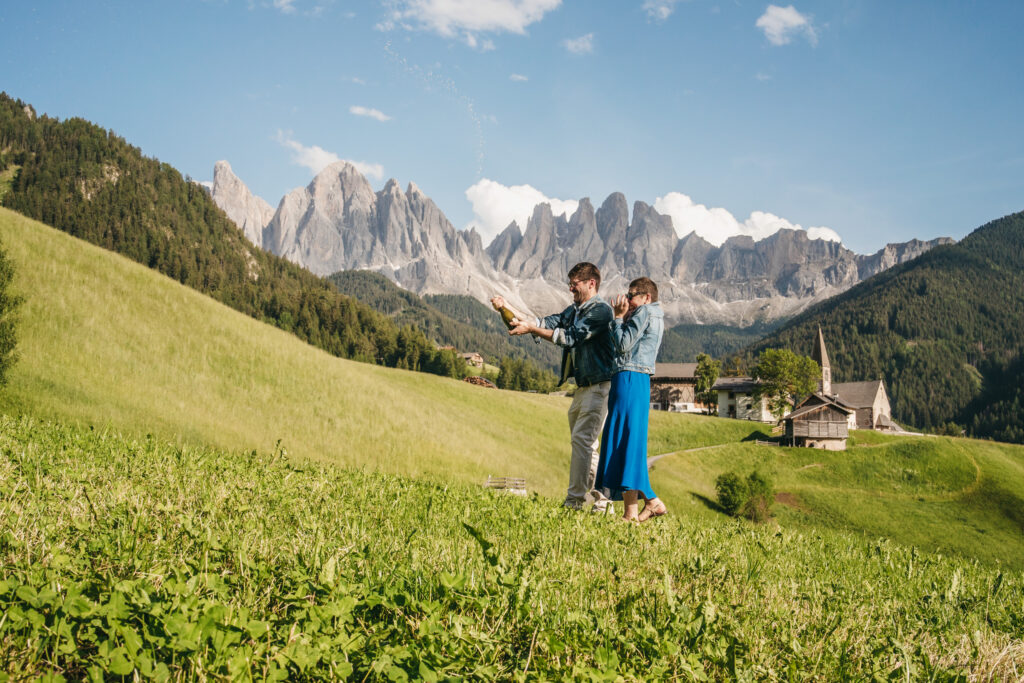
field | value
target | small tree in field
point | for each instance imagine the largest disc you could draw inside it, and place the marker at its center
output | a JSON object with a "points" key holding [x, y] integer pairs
{"points": [[9, 303], [782, 377], [707, 374]]}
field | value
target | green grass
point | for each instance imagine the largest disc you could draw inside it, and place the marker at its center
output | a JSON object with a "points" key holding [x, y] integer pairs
{"points": [[940, 493], [139, 557], [107, 342]]}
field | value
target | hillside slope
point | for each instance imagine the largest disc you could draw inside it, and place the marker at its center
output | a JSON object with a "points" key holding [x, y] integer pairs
{"points": [[106, 341], [944, 331]]}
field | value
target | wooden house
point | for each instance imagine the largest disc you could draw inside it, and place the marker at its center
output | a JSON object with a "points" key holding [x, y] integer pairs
{"points": [[473, 358], [674, 388], [818, 421]]}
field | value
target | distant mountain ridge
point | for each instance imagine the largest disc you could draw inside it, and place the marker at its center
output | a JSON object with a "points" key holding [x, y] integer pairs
{"points": [[338, 222]]}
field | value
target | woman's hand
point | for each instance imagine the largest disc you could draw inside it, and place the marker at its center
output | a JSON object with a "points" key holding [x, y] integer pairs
{"points": [[620, 304]]}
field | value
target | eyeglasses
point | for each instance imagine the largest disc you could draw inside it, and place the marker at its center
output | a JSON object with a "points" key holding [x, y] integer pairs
{"points": [[633, 295], [577, 283]]}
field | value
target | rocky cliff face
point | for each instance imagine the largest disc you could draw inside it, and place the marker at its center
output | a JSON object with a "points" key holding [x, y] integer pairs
{"points": [[338, 223], [249, 212]]}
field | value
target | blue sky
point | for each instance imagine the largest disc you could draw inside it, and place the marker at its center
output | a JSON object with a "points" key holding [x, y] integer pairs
{"points": [[873, 121]]}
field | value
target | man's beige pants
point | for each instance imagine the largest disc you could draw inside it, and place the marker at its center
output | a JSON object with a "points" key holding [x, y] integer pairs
{"points": [[586, 420]]}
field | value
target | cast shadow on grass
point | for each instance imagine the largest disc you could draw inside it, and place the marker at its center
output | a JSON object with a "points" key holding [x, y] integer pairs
{"points": [[708, 503], [758, 435]]}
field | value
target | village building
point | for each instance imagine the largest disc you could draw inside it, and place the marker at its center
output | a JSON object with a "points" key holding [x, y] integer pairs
{"points": [[674, 388], [473, 358], [819, 421], [736, 400], [869, 400]]}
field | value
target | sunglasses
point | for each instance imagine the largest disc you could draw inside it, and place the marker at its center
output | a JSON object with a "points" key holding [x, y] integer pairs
{"points": [[633, 295]]}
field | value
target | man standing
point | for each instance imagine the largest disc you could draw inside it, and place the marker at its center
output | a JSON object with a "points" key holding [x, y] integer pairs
{"points": [[588, 355]]}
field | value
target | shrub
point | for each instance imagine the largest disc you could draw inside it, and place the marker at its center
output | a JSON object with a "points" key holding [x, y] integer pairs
{"points": [[760, 496], [751, 497], [732, 492]]}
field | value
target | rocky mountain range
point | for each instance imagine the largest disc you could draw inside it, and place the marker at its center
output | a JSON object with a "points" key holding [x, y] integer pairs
{"points": [[339, 223]]}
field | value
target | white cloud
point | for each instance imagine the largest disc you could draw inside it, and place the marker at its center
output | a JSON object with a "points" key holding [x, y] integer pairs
{"points": [[450, 18], [717, 225], [372, 113], [496, 205], [317, 158], [659, 10], [583, 45], [286, 6], [519, 78], [780, 24]]}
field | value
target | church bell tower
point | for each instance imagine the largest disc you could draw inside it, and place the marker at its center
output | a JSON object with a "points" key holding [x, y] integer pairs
{"points": [[821, 355]]}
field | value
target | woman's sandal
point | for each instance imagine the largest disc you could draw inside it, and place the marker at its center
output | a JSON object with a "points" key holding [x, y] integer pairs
{"points": [[651, 511]]}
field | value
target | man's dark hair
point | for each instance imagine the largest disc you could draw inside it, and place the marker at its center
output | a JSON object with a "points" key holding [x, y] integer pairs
{"points": [[645, 285], [586, 271]]}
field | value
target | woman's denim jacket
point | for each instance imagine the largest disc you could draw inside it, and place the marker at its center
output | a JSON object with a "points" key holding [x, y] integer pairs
{"points": [[638, 337]]}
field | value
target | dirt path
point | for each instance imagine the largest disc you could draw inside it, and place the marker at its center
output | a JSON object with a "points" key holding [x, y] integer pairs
{"points": [[655, 458]]}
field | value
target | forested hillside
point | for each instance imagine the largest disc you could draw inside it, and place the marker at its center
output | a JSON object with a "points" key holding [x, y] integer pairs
{"points": [[86, 181], [460, 321], [945, 331], [682, 343]]}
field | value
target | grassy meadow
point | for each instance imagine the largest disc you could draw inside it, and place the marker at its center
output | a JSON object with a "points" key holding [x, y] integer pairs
{"points": [[142, 558], [188, 493]]}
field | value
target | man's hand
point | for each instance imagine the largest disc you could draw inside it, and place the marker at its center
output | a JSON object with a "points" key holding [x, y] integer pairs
{"points": [[498, 302], [620, 304], [521, 327]]}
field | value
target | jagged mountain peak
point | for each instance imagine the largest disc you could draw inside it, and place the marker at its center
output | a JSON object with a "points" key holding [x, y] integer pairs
{"points": [[248, 211], [339, 223]]}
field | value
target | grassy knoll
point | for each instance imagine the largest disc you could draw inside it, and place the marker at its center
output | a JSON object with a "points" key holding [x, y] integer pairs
{"points": [[105, 341], [941, 493], [140, 557]]}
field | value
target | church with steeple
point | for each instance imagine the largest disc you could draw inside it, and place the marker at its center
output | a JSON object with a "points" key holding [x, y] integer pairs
{"points": [[869, 400], [823, 419]]}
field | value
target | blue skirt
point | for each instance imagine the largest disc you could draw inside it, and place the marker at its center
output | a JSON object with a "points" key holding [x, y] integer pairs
{"points": [[623, 463]]}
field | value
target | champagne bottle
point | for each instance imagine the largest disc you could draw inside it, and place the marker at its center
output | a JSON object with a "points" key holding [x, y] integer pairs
{"points": [[508, 316]]}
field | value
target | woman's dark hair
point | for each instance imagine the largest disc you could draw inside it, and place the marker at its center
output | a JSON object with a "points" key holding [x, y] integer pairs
{"points": [[645, 285]]}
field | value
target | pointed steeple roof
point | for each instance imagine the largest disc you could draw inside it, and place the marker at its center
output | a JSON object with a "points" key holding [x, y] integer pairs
{"points": [[819, 353]]}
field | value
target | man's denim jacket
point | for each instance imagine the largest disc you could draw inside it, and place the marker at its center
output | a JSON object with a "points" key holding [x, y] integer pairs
{"points": [[638, 338], [588, 353]]}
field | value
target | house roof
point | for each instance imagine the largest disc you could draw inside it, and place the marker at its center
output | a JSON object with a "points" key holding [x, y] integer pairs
{"points": [[816, 402], [858, 394], [734, 384], [675, 371]]}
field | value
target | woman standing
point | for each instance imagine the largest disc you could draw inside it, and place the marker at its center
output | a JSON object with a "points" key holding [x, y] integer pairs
{"points": [[637, 330]]}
